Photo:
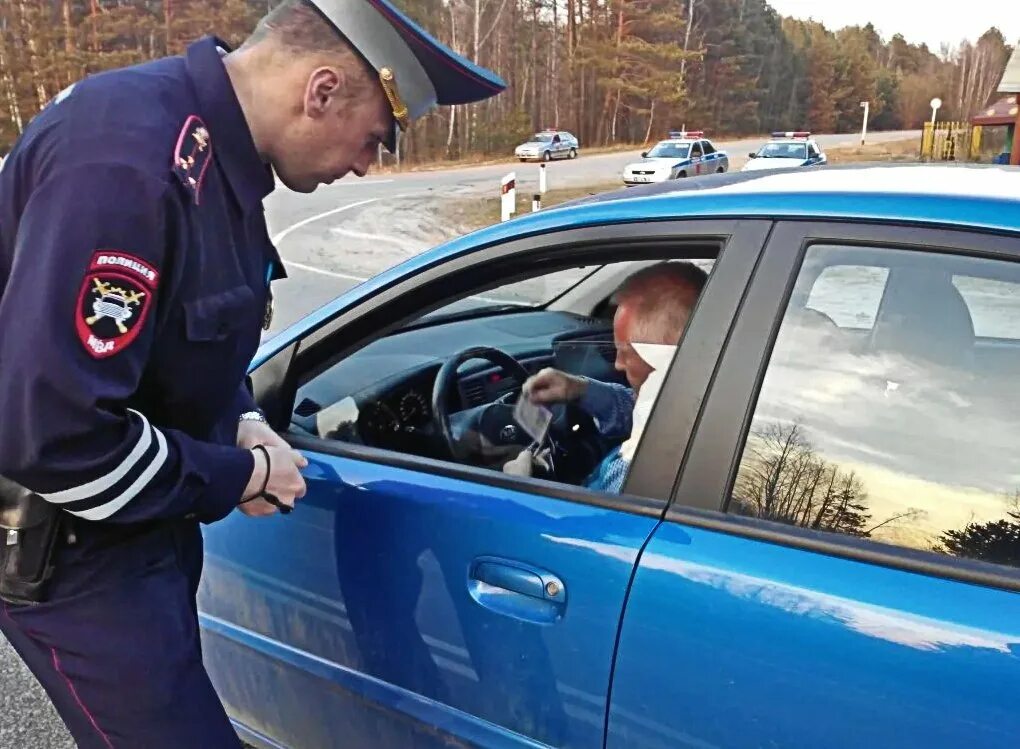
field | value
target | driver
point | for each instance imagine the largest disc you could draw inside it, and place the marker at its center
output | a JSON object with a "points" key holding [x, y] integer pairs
{"points": [[653, 306]]}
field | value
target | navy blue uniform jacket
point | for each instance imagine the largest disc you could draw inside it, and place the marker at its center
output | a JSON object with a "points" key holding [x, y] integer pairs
{"points": [[134, 273]]}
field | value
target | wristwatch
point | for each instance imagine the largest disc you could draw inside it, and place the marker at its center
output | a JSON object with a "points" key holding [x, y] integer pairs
{"points": [[252, 416]]}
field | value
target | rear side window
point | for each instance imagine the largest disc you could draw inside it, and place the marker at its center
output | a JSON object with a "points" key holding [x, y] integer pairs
{"points": [[889, 408], [849, 295], [994, 306], [707, 147]]}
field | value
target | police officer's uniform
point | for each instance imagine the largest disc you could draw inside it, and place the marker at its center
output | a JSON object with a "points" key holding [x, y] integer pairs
{"points": [[135, 266]]}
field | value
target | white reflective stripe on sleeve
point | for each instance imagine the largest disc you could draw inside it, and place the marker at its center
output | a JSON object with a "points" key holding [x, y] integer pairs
{"points": [[106, 510], [103, 483]]}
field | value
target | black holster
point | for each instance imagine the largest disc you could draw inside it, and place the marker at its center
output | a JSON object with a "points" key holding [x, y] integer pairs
{"points": [[29, 530]]}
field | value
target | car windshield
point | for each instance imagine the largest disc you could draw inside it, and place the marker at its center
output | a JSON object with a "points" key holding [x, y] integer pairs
{"points": [[542, 138], [783, 151], [668, 150], [529, 293]]}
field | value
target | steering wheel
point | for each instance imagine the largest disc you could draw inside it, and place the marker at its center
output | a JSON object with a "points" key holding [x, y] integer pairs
{"points": [[446, 382]]}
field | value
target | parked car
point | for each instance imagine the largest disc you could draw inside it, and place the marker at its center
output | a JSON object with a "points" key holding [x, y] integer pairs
{"points": [[818, 540], [683, 154], [787, 150], [548, 145]]}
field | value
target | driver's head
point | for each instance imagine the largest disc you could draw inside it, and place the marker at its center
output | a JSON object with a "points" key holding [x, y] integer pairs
{"points": [[653, 306], [315, 107]]}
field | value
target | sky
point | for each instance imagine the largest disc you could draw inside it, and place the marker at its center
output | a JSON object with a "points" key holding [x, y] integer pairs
{"points": [[919, 21]]}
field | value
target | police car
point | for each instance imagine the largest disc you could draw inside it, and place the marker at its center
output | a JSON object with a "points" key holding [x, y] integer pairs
{"points": [[816, 543], [548, 145], [787, 150], [683, 154]]}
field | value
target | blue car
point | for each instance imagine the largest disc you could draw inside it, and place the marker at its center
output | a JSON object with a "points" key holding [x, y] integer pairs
{"points": [[818, 539]]}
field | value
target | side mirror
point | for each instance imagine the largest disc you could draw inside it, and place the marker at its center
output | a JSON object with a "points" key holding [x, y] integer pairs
{"points": [[644, 154], [752, 155]]}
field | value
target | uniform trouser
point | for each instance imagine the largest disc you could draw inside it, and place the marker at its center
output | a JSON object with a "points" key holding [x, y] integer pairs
{"points": [[117, 649]]}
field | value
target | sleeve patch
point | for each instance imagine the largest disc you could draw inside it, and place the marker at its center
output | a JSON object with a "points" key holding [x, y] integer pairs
{"points": [[113, 302]]}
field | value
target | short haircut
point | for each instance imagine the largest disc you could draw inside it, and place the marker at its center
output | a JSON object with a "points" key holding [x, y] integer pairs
{"points": [[661, 298], [300, 28]]}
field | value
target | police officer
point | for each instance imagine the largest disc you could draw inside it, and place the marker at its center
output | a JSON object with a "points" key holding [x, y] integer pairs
{"points": [[135, 267]]}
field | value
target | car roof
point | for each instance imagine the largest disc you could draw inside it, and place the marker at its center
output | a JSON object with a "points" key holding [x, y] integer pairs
{"points": [[960, 196], [897, 183]]}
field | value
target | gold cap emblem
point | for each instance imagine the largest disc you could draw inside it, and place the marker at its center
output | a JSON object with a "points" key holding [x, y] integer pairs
{"points": [[389, 84]]}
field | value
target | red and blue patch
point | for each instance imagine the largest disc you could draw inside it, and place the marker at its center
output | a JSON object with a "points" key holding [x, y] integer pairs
{"points": [[114, 300]]}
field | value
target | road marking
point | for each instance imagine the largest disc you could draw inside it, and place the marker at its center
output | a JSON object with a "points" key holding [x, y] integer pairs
{"points": [[323, 272], [294, 227], [367, 235], [348, 183]]}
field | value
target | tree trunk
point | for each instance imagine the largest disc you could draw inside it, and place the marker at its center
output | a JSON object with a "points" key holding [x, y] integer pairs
{"points": [[69, 71], [28, 35], [651, 119], [167, 18], [687, 41], [554, 54], [452, 129], [10, 91], [536, 111], [473, 108]]}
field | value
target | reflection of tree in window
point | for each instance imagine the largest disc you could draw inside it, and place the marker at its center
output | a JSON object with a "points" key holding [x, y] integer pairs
{"points": [[996, 541], [782, 478]]}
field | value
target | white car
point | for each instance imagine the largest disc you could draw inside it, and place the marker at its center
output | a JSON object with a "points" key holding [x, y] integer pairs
{"points": [[681, 155], [789, 150], [548, 145]]}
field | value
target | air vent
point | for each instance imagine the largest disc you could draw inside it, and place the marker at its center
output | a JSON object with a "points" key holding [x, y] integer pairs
{"points": [[473, 393], [307, 407]]}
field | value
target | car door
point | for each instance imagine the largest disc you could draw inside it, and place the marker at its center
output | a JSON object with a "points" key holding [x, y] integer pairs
{"points": [[418, 602], [697, 158], [839, 566]]}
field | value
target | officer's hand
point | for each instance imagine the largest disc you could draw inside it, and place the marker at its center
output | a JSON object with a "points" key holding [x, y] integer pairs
{"points": [[251, 433], [285, 480], [553, 386]]}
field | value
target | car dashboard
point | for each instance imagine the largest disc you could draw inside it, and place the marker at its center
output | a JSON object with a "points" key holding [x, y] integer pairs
{"points": [[382, 395]]}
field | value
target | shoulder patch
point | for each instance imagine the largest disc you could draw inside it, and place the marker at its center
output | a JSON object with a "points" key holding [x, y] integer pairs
{"points": [[192, 155], [113, 302]]}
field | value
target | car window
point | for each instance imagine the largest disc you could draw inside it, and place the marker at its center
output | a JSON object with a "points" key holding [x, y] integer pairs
{"points": [[696, 150], [783, 151], [994, 306], [849, 310], [668, 150], [890, 417], [707, 147], [382, 395]]}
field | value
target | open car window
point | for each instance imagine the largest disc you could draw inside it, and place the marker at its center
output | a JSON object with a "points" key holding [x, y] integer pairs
{"points": [[408, 392]]}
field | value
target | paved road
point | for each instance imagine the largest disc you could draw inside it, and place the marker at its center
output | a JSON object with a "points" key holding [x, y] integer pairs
{"points": [[331, 240]]}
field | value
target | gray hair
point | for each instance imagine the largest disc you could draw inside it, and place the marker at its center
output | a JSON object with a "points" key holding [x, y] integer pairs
{"points": [[661, 297]]}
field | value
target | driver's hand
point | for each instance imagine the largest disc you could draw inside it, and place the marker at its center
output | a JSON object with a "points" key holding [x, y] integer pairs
{"points": [[553, 386]]}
